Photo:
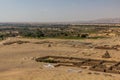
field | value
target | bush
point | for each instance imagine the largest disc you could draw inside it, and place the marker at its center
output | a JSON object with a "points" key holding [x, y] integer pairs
{"points": [[84, 35]]}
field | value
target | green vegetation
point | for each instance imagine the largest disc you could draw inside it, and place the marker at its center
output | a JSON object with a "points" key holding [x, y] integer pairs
{"points": [[2, 36], [60, 31]]}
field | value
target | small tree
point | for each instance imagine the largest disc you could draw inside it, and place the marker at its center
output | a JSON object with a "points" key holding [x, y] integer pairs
{"points": [[1, 37], [84, 35], [39, 33]]}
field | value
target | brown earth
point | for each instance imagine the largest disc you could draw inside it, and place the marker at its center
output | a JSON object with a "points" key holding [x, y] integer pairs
{"points": [[17, 60]]}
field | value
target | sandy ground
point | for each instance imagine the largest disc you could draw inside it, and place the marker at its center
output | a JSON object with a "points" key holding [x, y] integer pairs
{"points": [[17, 60]]}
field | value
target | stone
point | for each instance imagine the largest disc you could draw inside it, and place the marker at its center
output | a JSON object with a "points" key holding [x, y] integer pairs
{"points": [[106, 55]]}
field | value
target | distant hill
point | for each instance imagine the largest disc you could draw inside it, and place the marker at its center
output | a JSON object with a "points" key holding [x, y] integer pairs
{"points": [[106, 20]]}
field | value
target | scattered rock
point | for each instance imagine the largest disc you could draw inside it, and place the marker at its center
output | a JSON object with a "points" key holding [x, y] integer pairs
{"points": [[108, 75], [18, 42], [89, 72], [106, 55], [97, 73], [49, 45], [49, 66], [73, 70]]}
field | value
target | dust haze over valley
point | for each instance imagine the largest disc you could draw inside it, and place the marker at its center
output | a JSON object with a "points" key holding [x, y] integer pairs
{"points": [[59, 40]]}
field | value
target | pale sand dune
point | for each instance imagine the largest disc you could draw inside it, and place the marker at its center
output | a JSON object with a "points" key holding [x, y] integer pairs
{"points": [[16, 60]]}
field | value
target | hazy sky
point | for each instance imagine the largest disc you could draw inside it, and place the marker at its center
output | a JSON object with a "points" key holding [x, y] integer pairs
{"points": [[57, 10]]}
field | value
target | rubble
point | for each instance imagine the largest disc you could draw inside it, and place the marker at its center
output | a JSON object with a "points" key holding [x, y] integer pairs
{"points": [[106, 55], [92, 64]]}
